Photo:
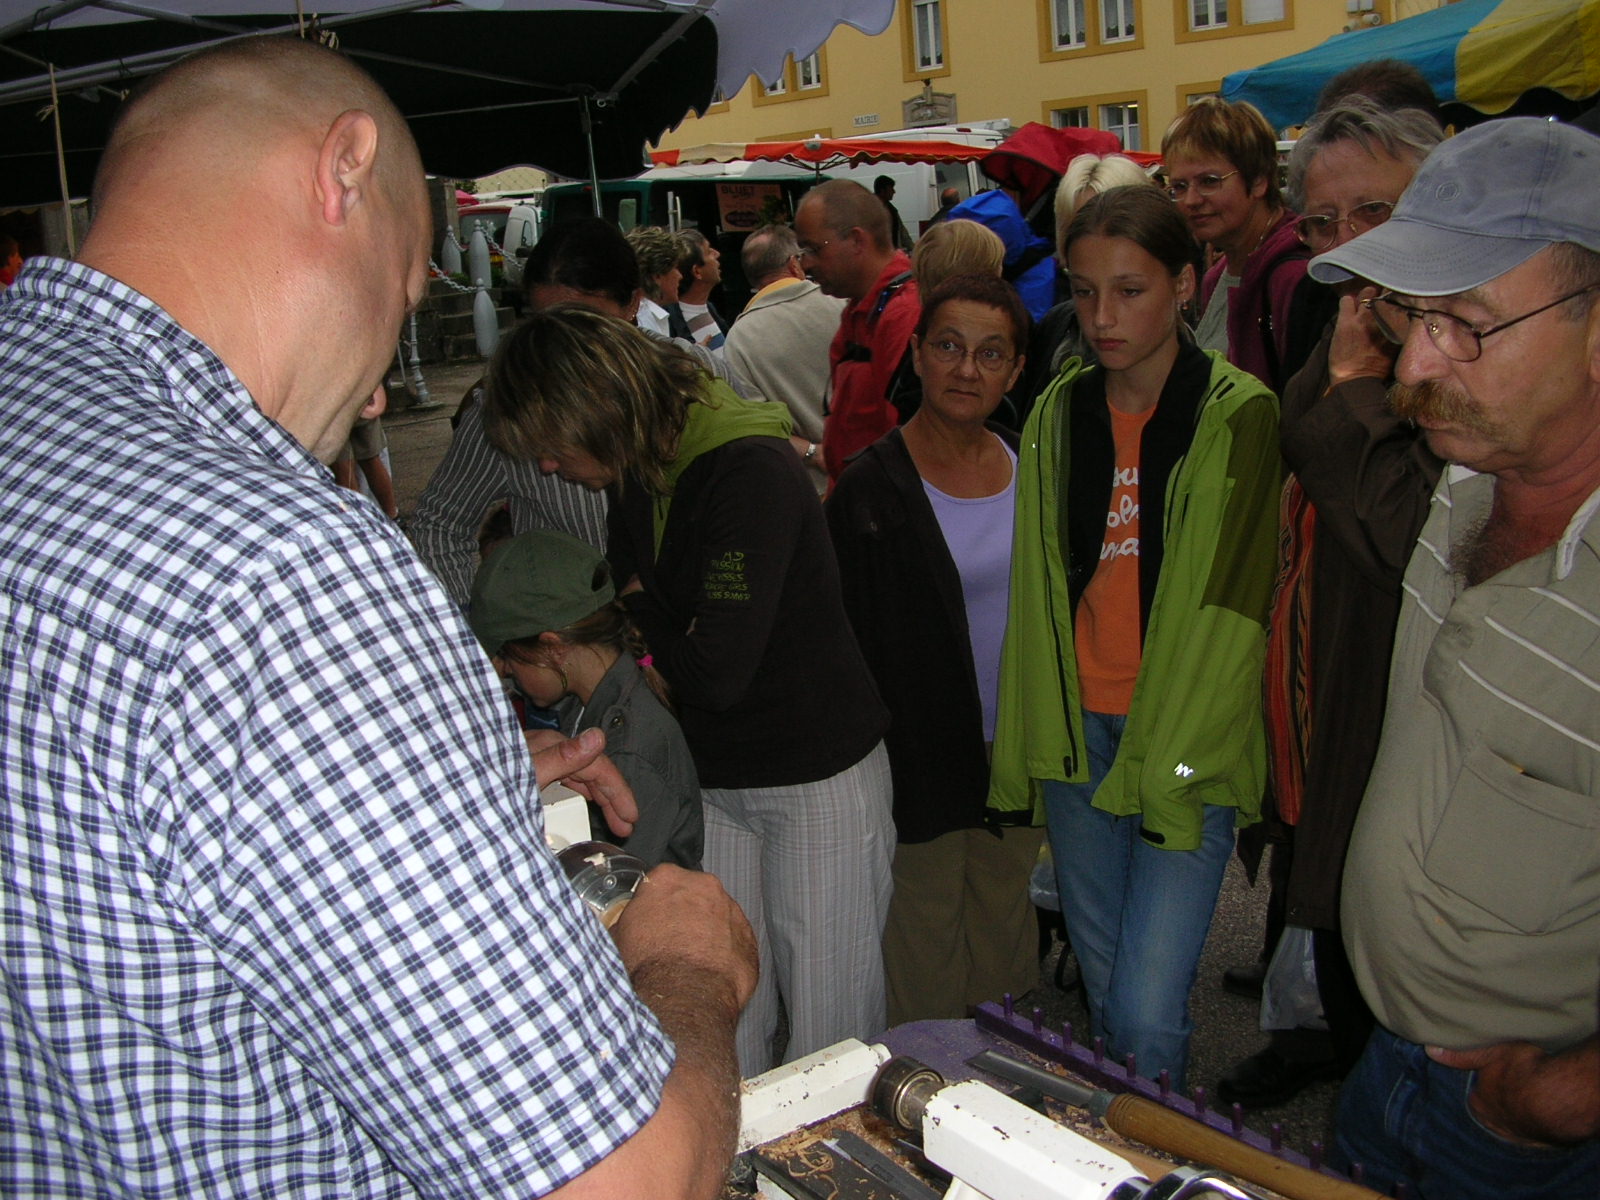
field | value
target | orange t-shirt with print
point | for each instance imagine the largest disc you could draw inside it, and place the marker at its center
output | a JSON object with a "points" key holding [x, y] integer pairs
{"points": [[1106, 626]]}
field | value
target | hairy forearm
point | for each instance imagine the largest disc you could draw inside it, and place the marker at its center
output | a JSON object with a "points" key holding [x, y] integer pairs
{"points": [[684, 1150], [699, 1011]]}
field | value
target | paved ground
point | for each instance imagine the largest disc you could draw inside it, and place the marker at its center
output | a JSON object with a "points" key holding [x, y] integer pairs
{"points": [[1225, 1026], [419, 436]]}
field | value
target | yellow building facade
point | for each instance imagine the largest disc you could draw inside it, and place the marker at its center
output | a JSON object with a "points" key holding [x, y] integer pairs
{"points": [[1127, 66]]}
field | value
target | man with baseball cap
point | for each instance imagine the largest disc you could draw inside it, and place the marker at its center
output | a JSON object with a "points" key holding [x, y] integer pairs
{"points": [[1471, 902]]}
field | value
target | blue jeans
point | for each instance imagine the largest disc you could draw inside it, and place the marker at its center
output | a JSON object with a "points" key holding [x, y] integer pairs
{"points": [[1404, 1118], [1137, 915]]}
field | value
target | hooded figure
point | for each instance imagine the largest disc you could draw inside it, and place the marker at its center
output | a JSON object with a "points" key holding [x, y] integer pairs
{"points": [[1030, 266]]}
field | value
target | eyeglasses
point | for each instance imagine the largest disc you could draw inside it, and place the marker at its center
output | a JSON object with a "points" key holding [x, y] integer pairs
{"points": [[989, 359], [1320, 232], [1203, 185], [1451, 336], [814, 251]]}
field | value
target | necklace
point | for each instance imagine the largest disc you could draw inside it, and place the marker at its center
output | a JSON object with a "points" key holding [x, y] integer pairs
{"points": [[1271, 225], [1245, 258]]}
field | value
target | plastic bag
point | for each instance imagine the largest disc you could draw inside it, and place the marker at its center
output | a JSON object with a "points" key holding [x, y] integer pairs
{"points": [[1289, 996], [1042, 889]]}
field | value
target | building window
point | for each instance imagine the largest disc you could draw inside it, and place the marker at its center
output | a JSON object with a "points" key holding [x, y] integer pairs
{"points": [[1119, 113], [1122, 119], [798, 81], [1210, 15], [1069, 24], [808, 73], [1073, 28], [1186, 94], [1119, 21], [927, 34]]}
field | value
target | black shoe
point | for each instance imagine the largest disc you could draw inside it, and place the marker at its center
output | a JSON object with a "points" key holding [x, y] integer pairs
{"points": [[1268, 1078], [1245, 981]]}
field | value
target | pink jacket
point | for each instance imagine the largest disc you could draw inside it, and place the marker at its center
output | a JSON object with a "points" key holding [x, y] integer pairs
{"points": [[1260, 305]]}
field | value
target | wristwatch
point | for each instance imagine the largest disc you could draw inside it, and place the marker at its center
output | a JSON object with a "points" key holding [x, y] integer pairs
{"points": [[811, 452]]}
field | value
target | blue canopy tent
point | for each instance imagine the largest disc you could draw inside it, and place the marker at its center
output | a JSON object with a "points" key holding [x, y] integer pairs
{"points": [[1482, 54]]}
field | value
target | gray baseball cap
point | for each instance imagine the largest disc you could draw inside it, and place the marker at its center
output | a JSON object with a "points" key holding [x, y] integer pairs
{"points": [[1483, 202]]}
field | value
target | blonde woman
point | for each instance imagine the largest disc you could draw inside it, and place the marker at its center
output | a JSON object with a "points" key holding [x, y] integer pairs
{"points": [[719, 543], [956, 247]]}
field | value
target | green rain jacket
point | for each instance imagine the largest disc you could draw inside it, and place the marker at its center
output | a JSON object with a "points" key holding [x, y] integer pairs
{"points": [[1195, 733]]}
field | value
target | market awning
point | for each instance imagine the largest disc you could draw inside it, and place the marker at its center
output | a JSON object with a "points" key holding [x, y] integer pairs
{"points": [[822, 154], [485, 84], [1485, 54]]}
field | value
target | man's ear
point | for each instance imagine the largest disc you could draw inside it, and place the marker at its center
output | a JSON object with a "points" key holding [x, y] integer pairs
{"points": [[345, 164]]}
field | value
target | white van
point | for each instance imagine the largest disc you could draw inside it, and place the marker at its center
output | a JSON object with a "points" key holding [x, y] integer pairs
{"points": [[522, 231]]}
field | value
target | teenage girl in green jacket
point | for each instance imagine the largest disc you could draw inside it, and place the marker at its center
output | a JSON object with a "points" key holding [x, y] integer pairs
{"points": [[1130, 696]]}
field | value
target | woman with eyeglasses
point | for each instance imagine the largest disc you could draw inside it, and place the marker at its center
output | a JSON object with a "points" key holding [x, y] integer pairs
{"points": [[1222, 173], [719, 542], [922, 524], [1130, 683]]}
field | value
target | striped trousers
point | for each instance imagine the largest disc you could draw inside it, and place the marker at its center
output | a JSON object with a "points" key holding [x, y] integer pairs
{"points": [[811, 866]]}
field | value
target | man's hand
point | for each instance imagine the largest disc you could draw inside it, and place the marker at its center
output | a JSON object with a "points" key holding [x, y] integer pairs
{"points": [[1359, 350], [579, 763], [685, 917], [1525, 1095]]}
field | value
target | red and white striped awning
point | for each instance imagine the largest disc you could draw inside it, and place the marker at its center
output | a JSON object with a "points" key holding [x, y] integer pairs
{"points": [[822, 153]]}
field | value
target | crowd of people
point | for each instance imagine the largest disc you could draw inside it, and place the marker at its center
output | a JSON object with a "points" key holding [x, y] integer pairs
{"points": [[1216, 515]]}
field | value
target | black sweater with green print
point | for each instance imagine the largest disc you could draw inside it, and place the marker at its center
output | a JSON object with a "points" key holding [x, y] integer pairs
{"points": [[742, 612]]}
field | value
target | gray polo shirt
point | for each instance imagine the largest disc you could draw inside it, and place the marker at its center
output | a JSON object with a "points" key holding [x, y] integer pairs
{"points": [[1472, 890]]}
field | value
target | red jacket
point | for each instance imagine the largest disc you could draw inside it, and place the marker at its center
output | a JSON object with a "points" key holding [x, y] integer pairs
{"points": [[872, 338]]}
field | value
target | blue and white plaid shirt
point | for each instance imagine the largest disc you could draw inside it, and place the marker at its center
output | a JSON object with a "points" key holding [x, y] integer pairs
{"points": [[276, 913]]}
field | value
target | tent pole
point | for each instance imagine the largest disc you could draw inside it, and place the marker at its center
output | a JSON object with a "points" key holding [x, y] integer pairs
{"points": [[594, 169]]}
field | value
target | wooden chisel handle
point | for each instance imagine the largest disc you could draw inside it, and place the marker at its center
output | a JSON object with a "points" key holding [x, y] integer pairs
{"points": [[1154, 1125]]}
